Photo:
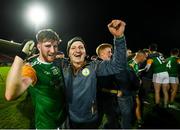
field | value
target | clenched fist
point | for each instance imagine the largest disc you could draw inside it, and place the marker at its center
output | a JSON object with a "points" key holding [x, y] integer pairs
{"points": [[117, 27]]}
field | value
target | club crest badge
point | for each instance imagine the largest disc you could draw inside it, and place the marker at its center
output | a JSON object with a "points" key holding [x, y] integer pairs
{"points": [[85, 72]]}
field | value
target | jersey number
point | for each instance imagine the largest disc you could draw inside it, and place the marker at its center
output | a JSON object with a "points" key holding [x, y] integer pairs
{"points": [[168, 65], [161, 59]]}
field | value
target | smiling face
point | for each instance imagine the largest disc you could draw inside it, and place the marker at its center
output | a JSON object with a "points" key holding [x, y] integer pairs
{"points": [[104, 51], [105, 54], [48, 50], [77, 53]]}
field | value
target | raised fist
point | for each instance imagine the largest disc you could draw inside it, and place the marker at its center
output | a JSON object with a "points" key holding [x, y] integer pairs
{"points": [[117, 27], [26, 49]]}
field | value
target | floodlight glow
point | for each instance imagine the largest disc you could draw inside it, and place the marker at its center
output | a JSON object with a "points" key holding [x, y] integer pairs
{"points": [[37, 14]]}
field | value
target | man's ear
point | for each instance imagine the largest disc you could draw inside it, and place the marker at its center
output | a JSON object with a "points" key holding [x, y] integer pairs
{"points": [[38, 46]]}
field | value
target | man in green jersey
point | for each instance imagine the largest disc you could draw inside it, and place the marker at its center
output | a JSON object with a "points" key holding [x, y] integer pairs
{"points": [[172, 64], [134, 65], [160, 78], [42, 78]]}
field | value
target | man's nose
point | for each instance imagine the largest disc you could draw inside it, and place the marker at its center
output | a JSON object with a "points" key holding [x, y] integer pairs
{"points": [[52, 49], [77, 49]]}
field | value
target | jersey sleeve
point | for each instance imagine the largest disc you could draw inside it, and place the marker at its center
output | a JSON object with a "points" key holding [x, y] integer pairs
{"points": [[149, 61], [28, 71], [178, 61]]}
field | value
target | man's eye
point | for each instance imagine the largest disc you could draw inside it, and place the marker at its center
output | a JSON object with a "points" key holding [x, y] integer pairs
{"points": [[48, 46], [55, 46], [73, 48]]}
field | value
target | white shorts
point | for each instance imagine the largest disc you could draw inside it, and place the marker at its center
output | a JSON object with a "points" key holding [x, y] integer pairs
{"points": [[174, 80], [162, 78]]}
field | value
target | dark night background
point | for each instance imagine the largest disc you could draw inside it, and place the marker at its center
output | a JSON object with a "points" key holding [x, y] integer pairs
{"points": [[146, 22]]}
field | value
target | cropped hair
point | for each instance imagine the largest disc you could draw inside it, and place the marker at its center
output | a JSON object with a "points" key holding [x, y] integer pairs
{"points": [[174, 51], [153, 47], [102, 46], [45, 35]]}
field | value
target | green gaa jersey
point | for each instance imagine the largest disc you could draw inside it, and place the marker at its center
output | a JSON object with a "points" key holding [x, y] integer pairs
{"points": [[47, 95], [158, 64], [132, 63], [172, 65]]}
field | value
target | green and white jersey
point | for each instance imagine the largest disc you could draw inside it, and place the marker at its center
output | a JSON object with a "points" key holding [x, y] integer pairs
{"points": [[172, 65], [158, 64], [47, 95], [132, 63]]}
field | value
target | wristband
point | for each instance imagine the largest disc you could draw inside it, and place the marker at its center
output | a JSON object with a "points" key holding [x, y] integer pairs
{"points": [[22, 55]]}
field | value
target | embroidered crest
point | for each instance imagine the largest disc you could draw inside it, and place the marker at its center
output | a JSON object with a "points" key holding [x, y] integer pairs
{"points": [[55, 70], [85, 72]]}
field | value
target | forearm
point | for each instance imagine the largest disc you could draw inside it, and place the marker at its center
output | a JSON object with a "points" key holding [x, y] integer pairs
{"points": [[119, 57], [147, 67], [13, 81]]}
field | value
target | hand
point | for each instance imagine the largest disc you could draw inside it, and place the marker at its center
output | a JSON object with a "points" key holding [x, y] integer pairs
{"points": [[120, 93], [140, 81], [26, 49], [117, 27]]}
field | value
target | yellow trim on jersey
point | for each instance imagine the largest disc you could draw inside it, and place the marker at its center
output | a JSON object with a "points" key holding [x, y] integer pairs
{"points": [[28, 71], [131, 65], [149, 61], [178, 61]]}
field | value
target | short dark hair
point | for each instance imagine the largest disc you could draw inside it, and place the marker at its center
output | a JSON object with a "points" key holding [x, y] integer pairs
{"points": [[175, 51], [45, 35], [153, 47]]}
